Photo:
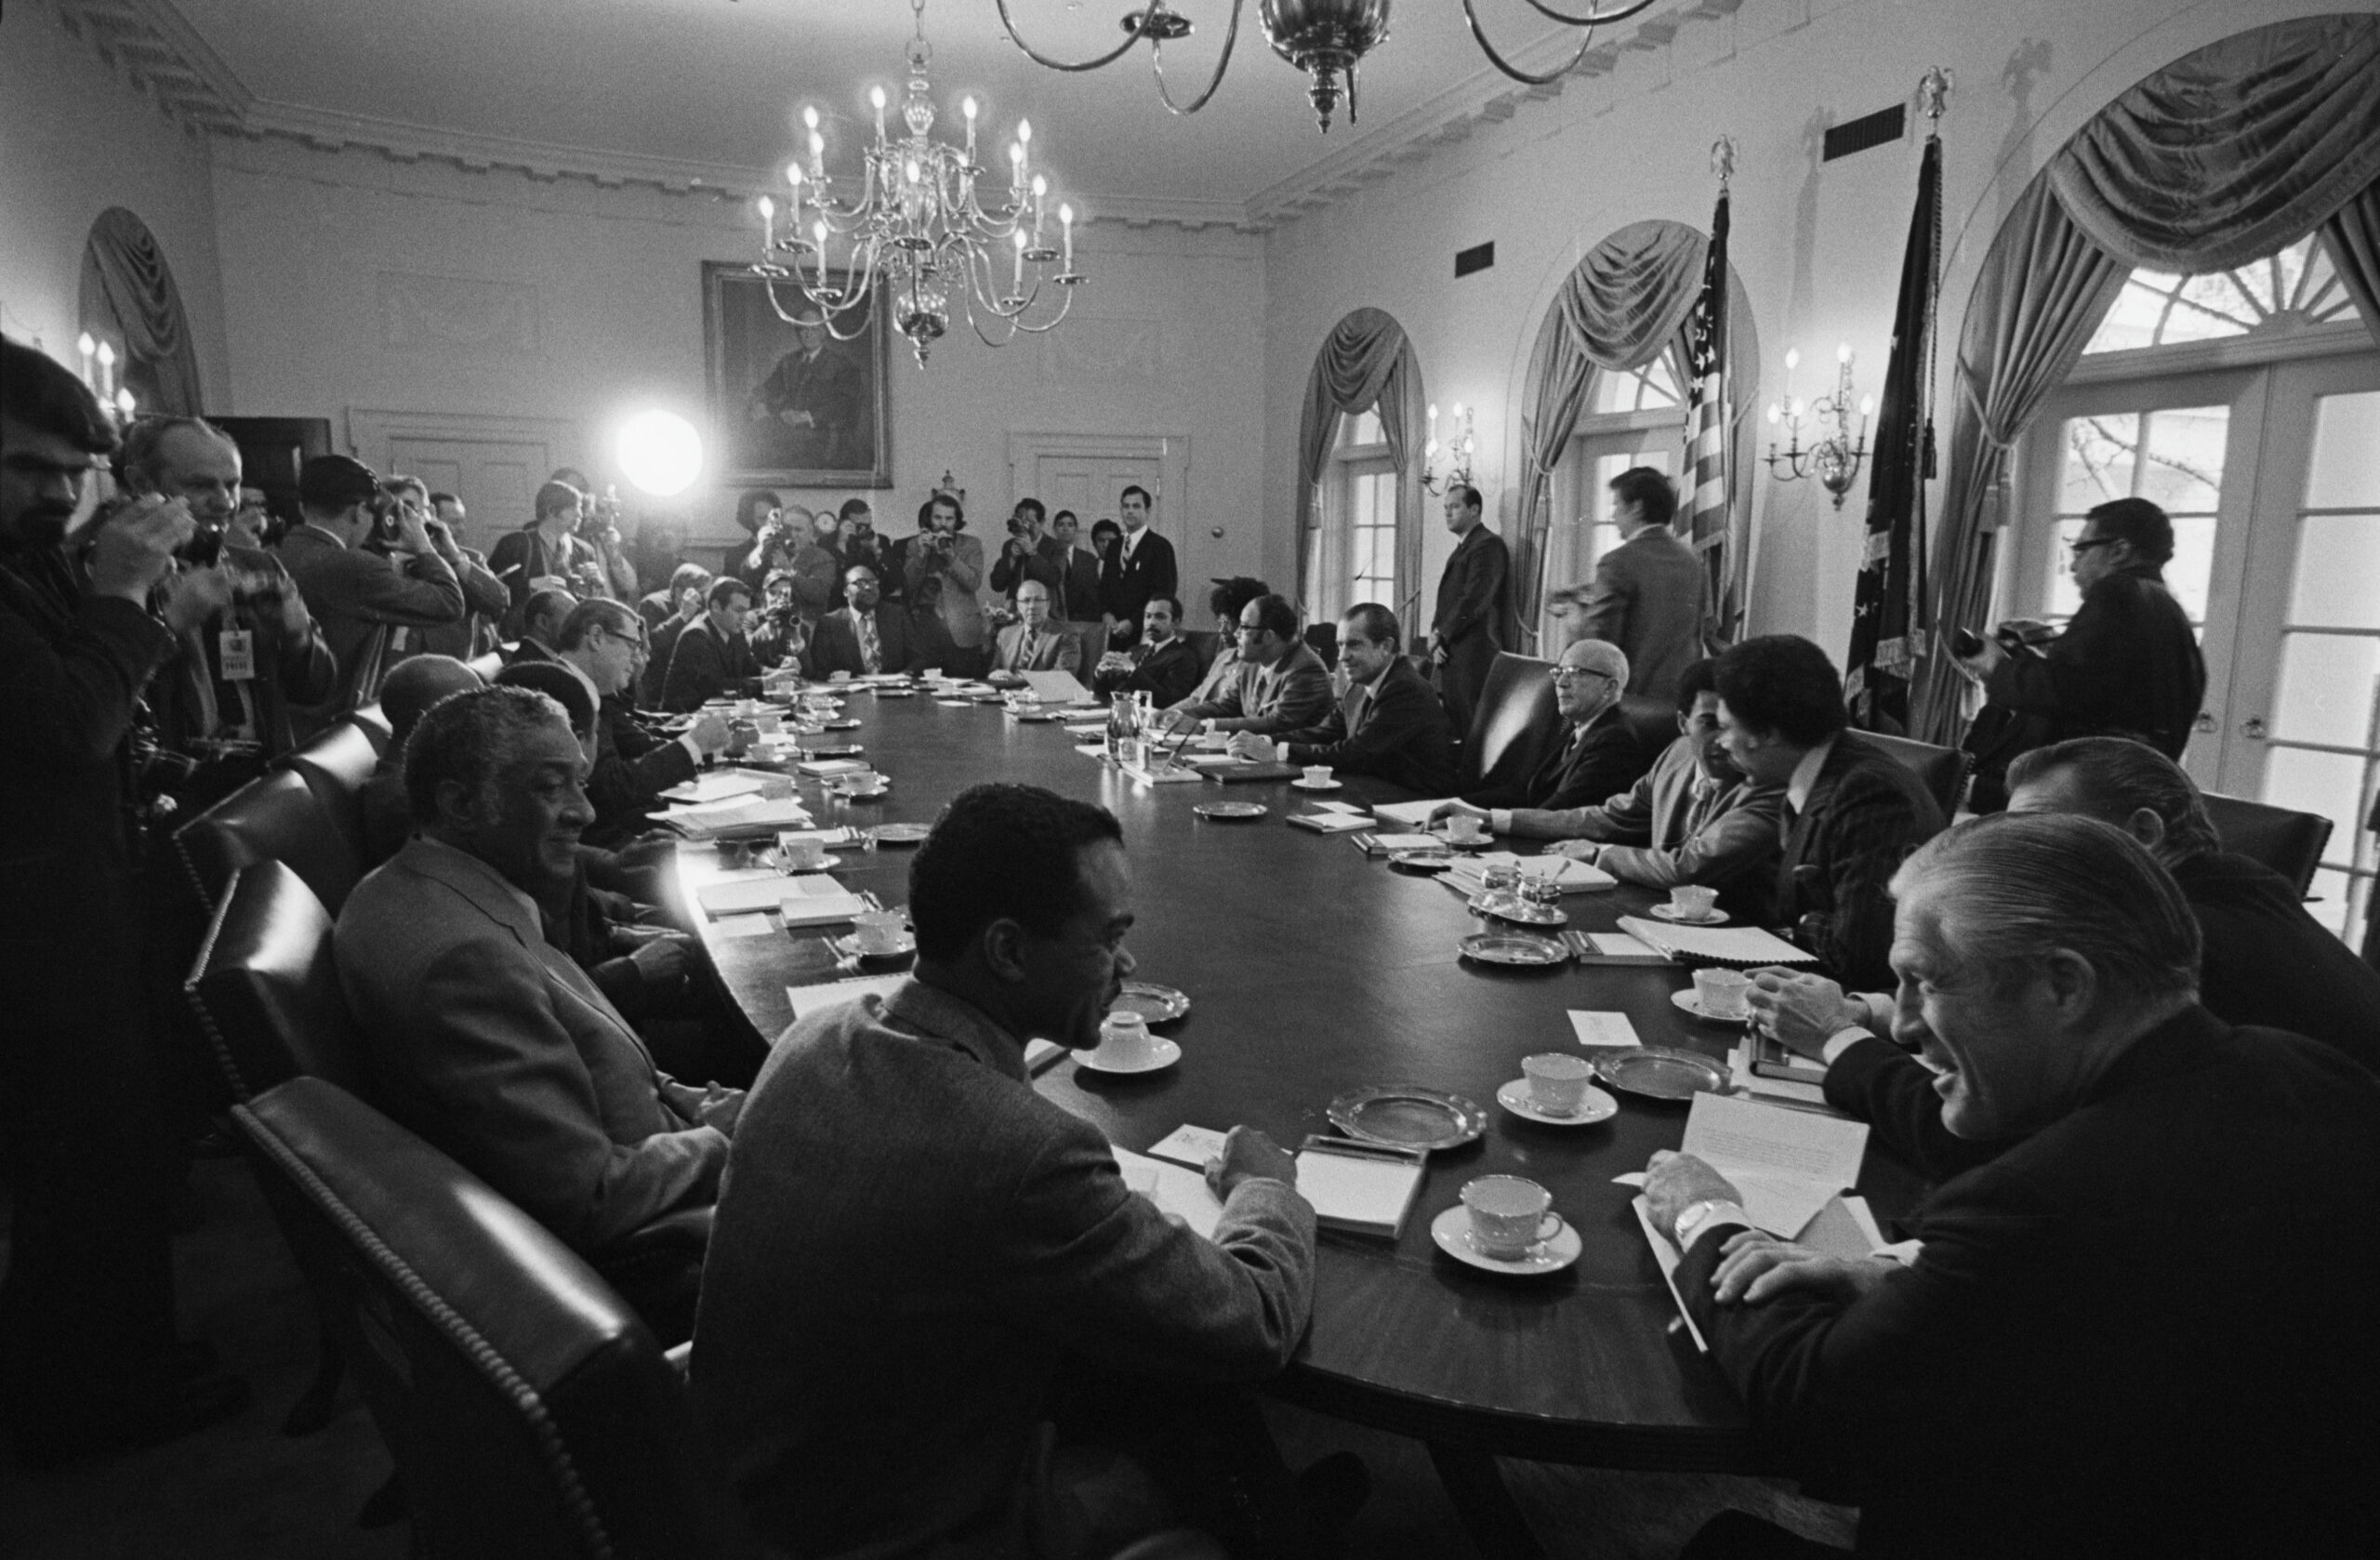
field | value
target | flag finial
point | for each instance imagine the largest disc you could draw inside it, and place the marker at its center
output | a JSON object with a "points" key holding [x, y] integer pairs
{"points": [[1723, 158], [1933, 89]]}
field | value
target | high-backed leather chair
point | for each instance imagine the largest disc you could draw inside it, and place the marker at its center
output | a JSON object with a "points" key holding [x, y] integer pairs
{"points": [[2288, 842], [336, 765], [1513, 727], [530, 1413], [265, 987], [373, 724], [1654, 722], [1943, 771], [1323, 640], [274, 817], [1208, 643]]}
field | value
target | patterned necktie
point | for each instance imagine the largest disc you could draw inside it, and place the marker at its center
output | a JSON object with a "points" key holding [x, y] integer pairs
{"points": [[1032, 648], [872, 656]]}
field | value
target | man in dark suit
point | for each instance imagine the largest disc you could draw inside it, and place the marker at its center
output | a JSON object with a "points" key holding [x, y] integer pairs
{"points": [[710, 657], [1387, 724], [489, 1041], [1162, 665], [865, 637], [1600, 755], [88, 1360], [602, 642], [2128, 664], [1034, 642], [1650, 593], [2142, 1329], [541, 620], [546, 554], [1853, 812], [1141, 566], [1474, 607]]}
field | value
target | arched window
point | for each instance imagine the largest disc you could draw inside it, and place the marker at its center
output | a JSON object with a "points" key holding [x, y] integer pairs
{"points": [[1359, 480], [130, 301]]}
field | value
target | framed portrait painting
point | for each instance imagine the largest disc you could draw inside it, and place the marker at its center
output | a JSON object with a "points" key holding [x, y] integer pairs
{"points": [[794, 406]]}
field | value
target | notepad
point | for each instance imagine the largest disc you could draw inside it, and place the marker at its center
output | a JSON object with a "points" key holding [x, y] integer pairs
{"points": [[1618, 947], [735, 818], [1365, 1188], [717, 785], [1176, 1189], [741, 893], [1329, 822], [1716, 945], [1389, 844]]}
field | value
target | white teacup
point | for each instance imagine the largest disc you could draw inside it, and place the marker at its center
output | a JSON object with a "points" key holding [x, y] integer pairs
{"points": [[1693, 901], [1509, 1215], [1124, 1040], [1463, 829], [1318, 774], [1723, 992], [1557, 1082], [775, 787], [800, 853], [877, 932]]}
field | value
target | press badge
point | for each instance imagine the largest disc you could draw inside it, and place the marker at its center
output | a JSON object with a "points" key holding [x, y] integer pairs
{"points": [[239, 655]]}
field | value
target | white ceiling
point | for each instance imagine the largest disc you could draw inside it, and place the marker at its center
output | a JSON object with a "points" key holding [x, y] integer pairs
{"points": [[716, 85]]}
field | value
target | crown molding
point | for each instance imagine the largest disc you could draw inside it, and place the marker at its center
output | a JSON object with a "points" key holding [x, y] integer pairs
{"points": [[161, 55]]}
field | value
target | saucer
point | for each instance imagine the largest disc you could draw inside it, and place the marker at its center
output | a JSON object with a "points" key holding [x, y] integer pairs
{"points": [[1596, 1107], [1451, 1230], [842, 724], [848, 946], [902, 834], [1688, 1001], [1667, 913], [1302, 784], [1164, 1054], [1230, 811], [827, 863]]}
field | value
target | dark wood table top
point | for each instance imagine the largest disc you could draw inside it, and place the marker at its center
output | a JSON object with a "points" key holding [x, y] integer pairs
{"points": [[1313, 970]]}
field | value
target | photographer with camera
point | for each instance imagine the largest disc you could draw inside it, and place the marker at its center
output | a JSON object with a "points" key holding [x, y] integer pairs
{"points": [[484, 598], [942, 552], [605, 575], [222, 703], [1029, 554], [776, 632], [359, 600], [90, 1363], [779, 533], [546, 554]]}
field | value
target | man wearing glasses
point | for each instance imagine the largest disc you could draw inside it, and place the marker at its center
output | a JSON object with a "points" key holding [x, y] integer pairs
{"points": [[2127, 664], [605, 643], [1278, 686], [1600, 755]]}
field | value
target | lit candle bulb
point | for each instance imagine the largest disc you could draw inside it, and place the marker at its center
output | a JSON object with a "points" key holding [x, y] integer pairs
{"points": [[1843, 351], [1040, 190], [1433, 419], [793, 176], [1066, 234], [768, 224], [1018, 287], [1024, 149], [876, 100], [85, 345], [1015, 166], [1776, 413], [1797, 408], [107, 370], [820, 229], [123, 403], [1867, 407], [818, 163], [967, 112]]}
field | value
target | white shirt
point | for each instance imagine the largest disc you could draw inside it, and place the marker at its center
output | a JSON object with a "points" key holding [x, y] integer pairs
{"points": [[1805, 774]]}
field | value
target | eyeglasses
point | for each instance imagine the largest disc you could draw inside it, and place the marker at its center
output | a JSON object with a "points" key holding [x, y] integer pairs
{"points": [[1250, 628], [1564, 674], [2081, 544]]}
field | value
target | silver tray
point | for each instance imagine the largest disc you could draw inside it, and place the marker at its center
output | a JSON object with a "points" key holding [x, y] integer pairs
{"points": [[1231, 812], [1158, 1004], [1408, 1116], [1661, 1072], [1519, 912], [902, 834], [1516, 947], [1435, 859]]}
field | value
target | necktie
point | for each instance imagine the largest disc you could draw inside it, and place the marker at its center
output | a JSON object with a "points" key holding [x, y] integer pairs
{"points": [[872, 656], [1032, 647]]}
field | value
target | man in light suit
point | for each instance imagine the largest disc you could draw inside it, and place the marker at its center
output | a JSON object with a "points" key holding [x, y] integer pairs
{"points": [[484, 1037], [1033, 642], [863, 638], [1693, 819], [1650, 593], [1600, 754], [1141, 566], [1388, 722], [1474, 607], [1276, 685], [1853, 812], [966, 1252]]}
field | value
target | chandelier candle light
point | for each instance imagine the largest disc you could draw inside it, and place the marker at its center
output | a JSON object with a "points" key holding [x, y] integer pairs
{"points": [[1835, 458], [1459, 448], [921, 223]]}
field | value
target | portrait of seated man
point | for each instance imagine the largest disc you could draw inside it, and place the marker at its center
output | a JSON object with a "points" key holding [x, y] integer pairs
{"points": [[815, 408]]}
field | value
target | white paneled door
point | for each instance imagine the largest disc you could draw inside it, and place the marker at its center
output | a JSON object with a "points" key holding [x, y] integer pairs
{"points": [[497, 483]]}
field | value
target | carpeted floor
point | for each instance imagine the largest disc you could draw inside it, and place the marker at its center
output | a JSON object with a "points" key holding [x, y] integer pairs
{"points": [[243, 1491]]}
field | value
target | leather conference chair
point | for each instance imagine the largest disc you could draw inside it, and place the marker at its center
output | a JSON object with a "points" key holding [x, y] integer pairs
{"points": [[529, 1411], [265, 987], [1515, 726], [1654, 722], [1208, 643], [2288, 842], [274, 817], [1323, 640], [1942, 770], [375, 725], [336, 765]]}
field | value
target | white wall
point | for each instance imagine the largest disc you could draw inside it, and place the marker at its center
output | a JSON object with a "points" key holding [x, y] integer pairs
{"points": [[1164, 339], [74, 140], [1819, 247]]}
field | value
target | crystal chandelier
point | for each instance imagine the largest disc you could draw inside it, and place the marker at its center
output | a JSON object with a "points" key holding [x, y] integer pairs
{"points": [[1326, 39], [920, 222]]}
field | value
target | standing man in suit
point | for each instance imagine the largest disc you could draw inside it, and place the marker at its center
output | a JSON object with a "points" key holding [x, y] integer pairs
{"points": [[1163, 664], [711, 658], [1076, 604], [1853, 812], [2142, 1329], [865, 637], [1600, 755], [546, 554], [1474, 604], [484, 596], [1649, 593], [1388, 722], [487, 1040], [359, 600], [1142, 566], [1033, 642]]}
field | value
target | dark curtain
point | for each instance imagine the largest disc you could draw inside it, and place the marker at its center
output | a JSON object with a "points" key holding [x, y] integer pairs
{"points": [[137, 289], [1365, 363]]}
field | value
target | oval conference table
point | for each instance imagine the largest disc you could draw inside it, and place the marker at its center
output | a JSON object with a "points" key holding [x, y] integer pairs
{"points": [[1313, 970]]}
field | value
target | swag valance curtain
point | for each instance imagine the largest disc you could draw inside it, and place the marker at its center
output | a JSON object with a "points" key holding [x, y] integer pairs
{"points": [[123, 263], [1366, 362], [2226, 155]]}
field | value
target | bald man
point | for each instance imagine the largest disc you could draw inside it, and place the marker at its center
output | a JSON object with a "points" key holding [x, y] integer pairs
{"points": [[414, 686]]}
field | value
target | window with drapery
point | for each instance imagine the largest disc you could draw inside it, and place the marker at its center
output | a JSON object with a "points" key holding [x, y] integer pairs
{"points": [[1359, 447]]}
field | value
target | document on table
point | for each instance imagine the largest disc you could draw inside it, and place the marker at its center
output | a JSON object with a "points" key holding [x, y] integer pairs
{"points": [[1603, 1030], [742, 814], [1618, 947], [717, 785], [1409, 814], [1176, 1189], [1716, 945], [1843, 1228], [1189, 1145], [1787, 1163], [1056, 687]]}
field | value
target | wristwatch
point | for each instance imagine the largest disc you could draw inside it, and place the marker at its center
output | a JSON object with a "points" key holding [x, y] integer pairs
{"points": [[1683, 1228]]}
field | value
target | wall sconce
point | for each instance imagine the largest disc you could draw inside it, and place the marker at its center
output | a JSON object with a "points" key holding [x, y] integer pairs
{"points": [[1835, 458], [1459, 448], [98, 372]]}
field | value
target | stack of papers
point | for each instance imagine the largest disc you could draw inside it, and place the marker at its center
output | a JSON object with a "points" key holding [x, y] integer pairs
{"points": [[1615, 947], [1056, 687], [1329, 822], [741, 893], [1412, 815], [1389, 844], [1364, 1187], [816, 899], [717, 785], [1716, 945], [825, 767], [735, 818]]}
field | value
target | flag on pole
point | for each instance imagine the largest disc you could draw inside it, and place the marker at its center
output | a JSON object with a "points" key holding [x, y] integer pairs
{"points": [[1705, 518], [1886, 636]]}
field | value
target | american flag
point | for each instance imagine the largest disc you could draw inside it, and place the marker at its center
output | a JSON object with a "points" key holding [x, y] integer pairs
{"points": [[1705, 518]]}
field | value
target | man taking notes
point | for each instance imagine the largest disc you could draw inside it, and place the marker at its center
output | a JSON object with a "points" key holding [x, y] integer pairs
{"points": [[916, 1253]]}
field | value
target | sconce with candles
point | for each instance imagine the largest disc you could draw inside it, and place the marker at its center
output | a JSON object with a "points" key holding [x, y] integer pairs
{"points": [[1460, 447], [1834, 459], [98, 375]]}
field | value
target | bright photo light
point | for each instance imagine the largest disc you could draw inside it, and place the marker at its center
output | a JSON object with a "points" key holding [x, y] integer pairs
{"points": [[660, 451]]}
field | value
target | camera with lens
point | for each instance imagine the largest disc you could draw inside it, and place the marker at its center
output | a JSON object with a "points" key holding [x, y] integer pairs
{"points": [[386, 525], [203, 550]]}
